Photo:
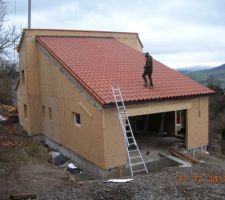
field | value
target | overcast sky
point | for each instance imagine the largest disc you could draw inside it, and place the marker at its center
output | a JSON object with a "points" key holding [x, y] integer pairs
{"points": [[178, 33]]}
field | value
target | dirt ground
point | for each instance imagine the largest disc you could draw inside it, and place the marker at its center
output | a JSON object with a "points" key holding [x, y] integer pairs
{"points": [[25, 168]]}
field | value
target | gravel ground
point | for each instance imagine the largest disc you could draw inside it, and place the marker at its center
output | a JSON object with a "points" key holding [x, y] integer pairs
{"points": [[203, 181]]}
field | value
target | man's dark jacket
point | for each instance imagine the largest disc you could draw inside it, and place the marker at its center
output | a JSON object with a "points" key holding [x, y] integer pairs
{"points": [[148, 65]]}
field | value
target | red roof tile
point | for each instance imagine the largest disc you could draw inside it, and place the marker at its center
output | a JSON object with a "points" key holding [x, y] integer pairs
{"points": [[99, 63]]}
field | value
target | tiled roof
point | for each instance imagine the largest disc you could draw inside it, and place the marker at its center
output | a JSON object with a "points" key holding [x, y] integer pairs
{"points": [[99, 63]]}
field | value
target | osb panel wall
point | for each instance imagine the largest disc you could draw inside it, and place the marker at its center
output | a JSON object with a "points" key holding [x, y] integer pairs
{"points": [[21, 100], [197, 121], [114, 144], [63, 98], [33, 84], [22, 91], [158, 107], [50, 127], [130, 39], [32, 62]]}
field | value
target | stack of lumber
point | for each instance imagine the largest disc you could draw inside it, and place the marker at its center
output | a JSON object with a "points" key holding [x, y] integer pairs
{"points": [[9, 112], [9, 108], [178, 154]]}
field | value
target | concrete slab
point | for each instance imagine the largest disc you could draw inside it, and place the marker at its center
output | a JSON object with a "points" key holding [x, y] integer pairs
{"points": [[150, 146]]}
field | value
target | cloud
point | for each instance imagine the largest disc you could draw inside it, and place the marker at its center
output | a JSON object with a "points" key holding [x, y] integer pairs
{"points": [[178, 32]]}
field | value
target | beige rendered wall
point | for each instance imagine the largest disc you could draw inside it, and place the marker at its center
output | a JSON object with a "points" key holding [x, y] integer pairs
{"points": [[61, 96], [21, 100], [114, 143], [28, 92], [197, 120]]}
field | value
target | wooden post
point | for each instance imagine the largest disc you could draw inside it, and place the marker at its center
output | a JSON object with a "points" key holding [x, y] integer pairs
{"points": [[193, 153], [201, 150], [120, 171]]}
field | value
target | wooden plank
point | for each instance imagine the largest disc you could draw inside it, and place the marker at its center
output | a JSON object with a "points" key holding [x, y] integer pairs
{"points": [[193, 160], [175, 159], [22, 196], [178, 156], [183, 156], [85, 109]]}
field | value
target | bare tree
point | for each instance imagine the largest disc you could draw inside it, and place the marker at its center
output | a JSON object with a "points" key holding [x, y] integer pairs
{"points": [[8, 73], [8, 33]]}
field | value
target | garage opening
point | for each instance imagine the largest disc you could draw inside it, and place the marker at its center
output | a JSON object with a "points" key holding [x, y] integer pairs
{"points": [[156, 133]]}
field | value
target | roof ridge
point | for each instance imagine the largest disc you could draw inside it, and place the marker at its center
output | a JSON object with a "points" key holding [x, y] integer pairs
{"points": [[74, 36], [77, 30]]}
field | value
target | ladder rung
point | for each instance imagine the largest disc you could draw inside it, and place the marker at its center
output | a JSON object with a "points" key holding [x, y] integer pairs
{"points": [[132, 144], [121, 107], [134, 157], [124, 117], [139, 163], [140, 170], [118, 97], [130, 137], [131, 151]]}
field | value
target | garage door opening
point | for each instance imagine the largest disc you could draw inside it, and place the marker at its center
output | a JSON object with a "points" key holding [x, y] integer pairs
{"points": [[156, 133]]}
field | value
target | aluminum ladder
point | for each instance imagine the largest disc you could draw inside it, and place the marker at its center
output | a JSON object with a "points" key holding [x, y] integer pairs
{"points": [[136, 161]]}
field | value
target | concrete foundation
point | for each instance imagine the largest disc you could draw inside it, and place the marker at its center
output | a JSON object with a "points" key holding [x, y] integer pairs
{"points": [[83, 163], [153, 165]]}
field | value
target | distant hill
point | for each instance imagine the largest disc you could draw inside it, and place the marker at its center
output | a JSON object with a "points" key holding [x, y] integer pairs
{"points": [[193, 68], [217, 74]]}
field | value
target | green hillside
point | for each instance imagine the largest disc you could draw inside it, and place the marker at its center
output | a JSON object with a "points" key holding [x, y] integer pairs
{"points": [[203, 76]]}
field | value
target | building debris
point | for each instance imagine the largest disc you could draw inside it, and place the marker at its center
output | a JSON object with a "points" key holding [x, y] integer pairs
{"points": [[2, 118], [54, 154], [9, 108], [6, 142], [73, 169], [71, 166], [120, 180], [58, 158], [9, 114]]}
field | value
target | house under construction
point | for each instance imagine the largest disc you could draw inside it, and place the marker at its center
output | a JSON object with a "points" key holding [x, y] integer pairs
{"points": [[65, 94]]}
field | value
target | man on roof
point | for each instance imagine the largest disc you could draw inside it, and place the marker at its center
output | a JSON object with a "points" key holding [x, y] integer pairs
{"points": [[148, 70]]}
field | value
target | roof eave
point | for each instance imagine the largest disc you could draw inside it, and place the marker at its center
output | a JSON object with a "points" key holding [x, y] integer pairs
{"points": [[111, 104]]}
